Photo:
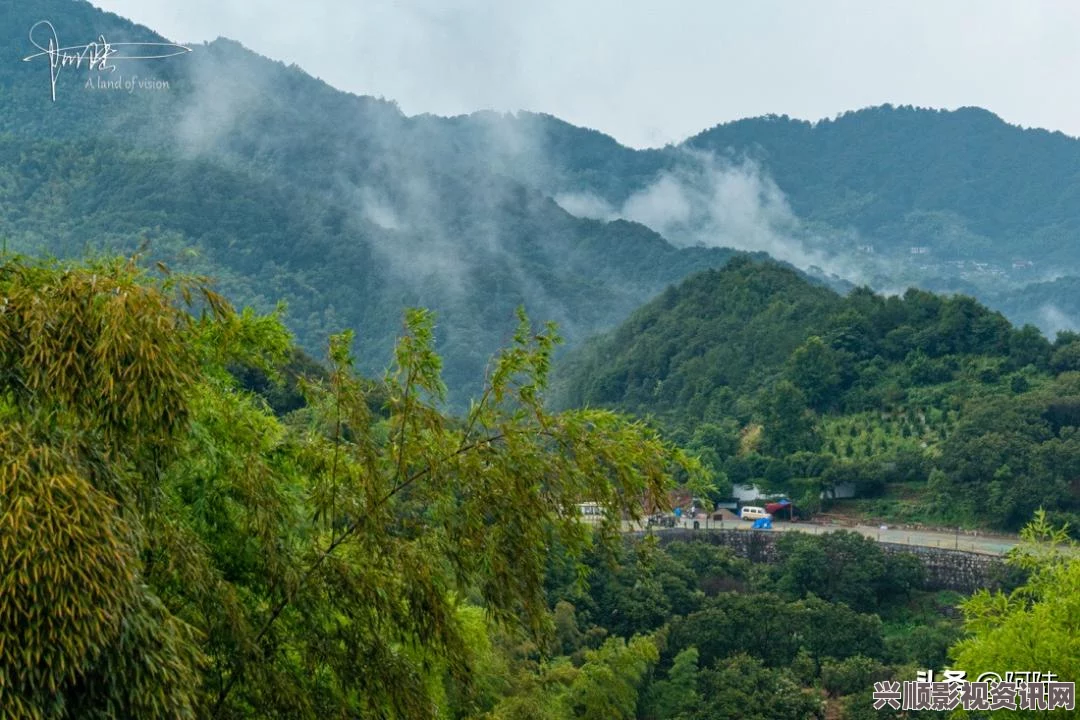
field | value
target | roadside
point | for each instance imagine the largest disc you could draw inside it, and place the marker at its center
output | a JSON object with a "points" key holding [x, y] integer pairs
{"points": [[966, 540]]}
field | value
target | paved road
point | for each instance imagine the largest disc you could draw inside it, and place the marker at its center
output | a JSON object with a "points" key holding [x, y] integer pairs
{"points": [[988, 544]]}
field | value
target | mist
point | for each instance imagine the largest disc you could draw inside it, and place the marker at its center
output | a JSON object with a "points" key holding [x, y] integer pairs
{"points": [[1053, 320], [709, 201]]}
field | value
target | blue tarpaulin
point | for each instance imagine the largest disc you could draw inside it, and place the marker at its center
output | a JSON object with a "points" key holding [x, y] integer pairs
{"points": [[763, 524]]}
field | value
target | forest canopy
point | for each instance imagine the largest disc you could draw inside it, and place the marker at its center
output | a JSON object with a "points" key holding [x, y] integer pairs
{"points": [[175, 549]]}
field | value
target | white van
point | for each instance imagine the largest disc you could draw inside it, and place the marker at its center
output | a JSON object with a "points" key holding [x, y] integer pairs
{"points": [[751, 512], [591, 512]]}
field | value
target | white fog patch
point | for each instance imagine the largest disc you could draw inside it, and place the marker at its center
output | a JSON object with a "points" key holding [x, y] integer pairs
{"points": [[377, 210], [1053, 320], [219, 103], [664, 206], [586, 205], [712, 202]]}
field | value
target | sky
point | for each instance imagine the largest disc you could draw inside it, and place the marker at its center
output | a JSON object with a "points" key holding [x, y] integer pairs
{"points": [[652, 73]]}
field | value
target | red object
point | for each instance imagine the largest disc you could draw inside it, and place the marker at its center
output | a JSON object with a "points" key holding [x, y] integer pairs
{"points": [[777, 507]]}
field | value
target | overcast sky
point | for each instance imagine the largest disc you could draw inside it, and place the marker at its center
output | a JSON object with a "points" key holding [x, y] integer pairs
{"points": [[649, 73]]}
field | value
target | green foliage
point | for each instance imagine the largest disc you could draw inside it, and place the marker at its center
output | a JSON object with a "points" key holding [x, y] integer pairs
{"points": [[814, 368], [844, 567], [741, 687], [677, 696], [608, 684], [95, 376], [1009, 457], [567, 635], [807, 647], [774, 630], [925, 645], [789, 424], [1033, 626], [850, 675], [644, 588], [833, 630], [176, 550]]}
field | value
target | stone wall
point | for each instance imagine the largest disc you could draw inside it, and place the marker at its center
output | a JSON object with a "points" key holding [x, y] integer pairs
{"points": [[946, 569], [958, 570]]}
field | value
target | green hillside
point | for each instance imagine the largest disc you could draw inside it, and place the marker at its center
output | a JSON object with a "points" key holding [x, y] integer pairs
{"points": [[367, 493], [264, 242], [791, 386]]}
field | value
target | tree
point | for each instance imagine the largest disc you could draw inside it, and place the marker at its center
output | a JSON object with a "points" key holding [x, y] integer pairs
{"points": [[1066, 357], [843, 567], [678, 695], [757, 623], [567, 634], [174, 549], [608, 684], [833, 630], [815, 369], [741, 687], [789, 424], [1034, 625], [850, 675], [95, 370]]}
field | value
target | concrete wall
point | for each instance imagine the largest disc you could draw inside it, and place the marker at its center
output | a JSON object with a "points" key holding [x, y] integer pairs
{"points": [[957, 570]]}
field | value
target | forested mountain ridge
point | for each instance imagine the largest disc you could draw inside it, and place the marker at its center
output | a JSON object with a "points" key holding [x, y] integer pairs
{"points": [[264, 242], [999, 188], [715, 332], [791, 386]]}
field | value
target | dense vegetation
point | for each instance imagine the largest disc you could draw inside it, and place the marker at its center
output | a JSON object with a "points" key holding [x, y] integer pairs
{"points": [[172, 548], [686, 630], [176, 547], [784, 384]]}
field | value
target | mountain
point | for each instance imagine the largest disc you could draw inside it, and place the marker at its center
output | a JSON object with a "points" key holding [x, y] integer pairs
{"points": [[964, 184], [705, 348], [283, 188], [686, 352]]}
